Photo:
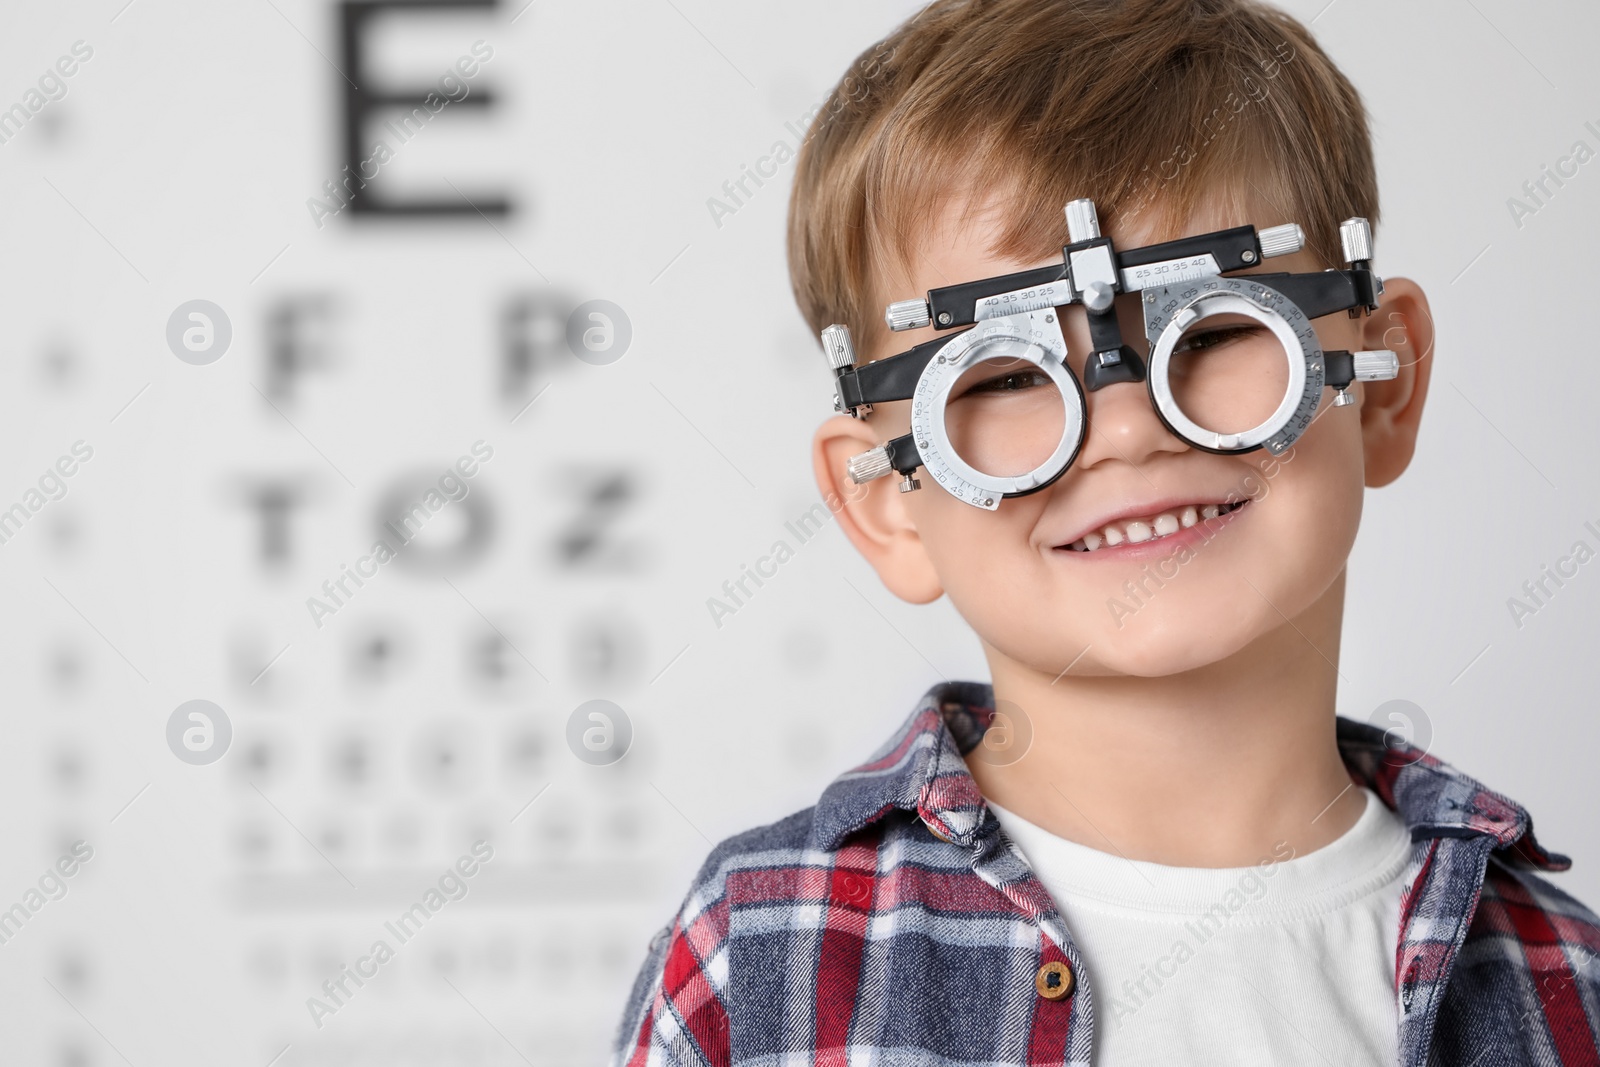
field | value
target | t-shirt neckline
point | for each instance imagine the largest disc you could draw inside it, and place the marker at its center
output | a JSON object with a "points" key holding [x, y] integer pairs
{"points": [[1370, 854]]}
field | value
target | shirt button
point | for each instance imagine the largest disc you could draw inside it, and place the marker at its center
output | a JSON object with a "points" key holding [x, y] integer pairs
{"points": [[1054, 980], [936, 832]]}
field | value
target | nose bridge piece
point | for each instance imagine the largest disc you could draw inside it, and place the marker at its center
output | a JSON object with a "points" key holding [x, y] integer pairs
{"points": [[1108, 366], [1096, 334]]}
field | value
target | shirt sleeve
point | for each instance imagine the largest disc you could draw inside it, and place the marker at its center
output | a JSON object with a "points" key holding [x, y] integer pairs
{"points": [[654, 1031]]}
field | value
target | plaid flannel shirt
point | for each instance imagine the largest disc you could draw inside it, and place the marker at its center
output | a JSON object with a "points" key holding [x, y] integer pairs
{"points": [[892, 924]]}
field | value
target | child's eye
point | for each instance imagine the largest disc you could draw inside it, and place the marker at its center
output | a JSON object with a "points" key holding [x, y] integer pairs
{"points": [[1204, 340], [1010, 382]]}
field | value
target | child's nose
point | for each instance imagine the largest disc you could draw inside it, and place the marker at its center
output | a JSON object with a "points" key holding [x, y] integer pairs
{"points": [[1123, 426], [1122, 423]]}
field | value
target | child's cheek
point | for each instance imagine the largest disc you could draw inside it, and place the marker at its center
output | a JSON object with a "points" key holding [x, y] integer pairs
{"points": [[1314, 497]]}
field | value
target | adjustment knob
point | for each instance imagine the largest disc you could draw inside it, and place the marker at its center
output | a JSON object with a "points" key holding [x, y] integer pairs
{"points": [[1281, 240], [1098, 296], [836, 345], [1379, 365], [871, 464], [907, 315], [1355, 237], [1083, 222]]}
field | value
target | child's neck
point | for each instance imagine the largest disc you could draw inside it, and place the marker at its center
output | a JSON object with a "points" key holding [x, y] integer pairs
{"points": [[1208, 768]]}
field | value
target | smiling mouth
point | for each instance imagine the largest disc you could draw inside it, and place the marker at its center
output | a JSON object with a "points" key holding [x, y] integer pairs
{"points": [[1151, 527]]}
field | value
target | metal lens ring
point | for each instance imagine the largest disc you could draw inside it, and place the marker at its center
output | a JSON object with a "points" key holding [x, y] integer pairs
{"points": [[1033, 337], [1171, 311]]}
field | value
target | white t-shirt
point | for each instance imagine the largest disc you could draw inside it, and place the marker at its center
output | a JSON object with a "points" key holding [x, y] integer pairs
{"points": [[1295, 963]]}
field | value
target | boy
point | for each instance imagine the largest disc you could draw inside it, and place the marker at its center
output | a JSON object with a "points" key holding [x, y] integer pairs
{"points": [[1150, 839]]}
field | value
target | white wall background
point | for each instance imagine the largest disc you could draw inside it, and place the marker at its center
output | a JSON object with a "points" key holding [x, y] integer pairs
{"points": [[178, 165]]}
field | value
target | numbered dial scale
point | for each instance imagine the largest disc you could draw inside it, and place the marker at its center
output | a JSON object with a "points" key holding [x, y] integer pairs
{"points": [[1172, 310], [1033, 338]]}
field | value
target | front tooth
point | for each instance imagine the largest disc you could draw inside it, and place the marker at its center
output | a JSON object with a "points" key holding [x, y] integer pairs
{"points": [[1138, 531], [1166, 523], [1188, 518], [1092, 541], [1210, 511], [1077, 546], [1113, 536]]}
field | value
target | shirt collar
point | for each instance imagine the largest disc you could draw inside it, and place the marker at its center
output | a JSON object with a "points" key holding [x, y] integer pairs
{"points": [[920, 769]]}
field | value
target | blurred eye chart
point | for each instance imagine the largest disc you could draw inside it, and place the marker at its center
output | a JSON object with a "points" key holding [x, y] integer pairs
{"points": [[410, 557], [370, 457]]}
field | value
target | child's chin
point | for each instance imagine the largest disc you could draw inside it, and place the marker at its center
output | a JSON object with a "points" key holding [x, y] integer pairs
{"points": [[1145, 658], [1157, 643]]}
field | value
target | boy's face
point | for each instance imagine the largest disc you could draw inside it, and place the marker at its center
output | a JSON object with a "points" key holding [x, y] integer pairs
{"points": [[1164, 604]]}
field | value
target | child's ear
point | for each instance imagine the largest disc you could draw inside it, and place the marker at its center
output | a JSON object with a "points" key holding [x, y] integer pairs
{"points": [[1391, 412], [872, 514]]}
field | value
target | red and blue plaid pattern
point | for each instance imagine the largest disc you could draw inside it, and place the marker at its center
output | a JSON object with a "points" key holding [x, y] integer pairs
{"points": [[893, 924]]}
